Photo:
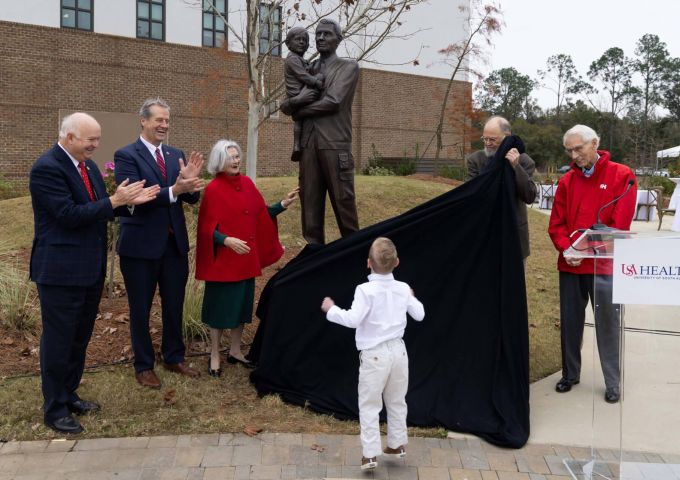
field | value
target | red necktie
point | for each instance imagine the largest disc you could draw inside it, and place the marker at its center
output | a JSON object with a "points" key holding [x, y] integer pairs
{"points": [[86, 180], [161, 163]]}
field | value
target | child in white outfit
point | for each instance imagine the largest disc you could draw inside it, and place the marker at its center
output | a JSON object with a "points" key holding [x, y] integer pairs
{"points": [[378, 313]]}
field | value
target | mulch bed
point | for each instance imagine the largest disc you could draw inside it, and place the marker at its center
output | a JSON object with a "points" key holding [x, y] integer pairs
{"points": [[110, 341]]}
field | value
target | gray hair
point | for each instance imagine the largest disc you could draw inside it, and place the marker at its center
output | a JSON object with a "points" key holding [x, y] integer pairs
{"points": [[218, 155], [71, 123], [502, 123], [336, 26], [145, 110], [586, 133]]}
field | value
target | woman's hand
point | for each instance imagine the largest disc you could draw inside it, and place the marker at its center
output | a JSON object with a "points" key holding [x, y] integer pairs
{"points": [[290, 197], [237, 245]]}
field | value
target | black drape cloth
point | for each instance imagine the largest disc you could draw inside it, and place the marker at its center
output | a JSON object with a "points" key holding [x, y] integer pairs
{"points": [[468, 358]]}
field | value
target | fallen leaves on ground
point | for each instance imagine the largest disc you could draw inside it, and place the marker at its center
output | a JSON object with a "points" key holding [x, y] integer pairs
{"points": [[170, 398], [251, 430]]}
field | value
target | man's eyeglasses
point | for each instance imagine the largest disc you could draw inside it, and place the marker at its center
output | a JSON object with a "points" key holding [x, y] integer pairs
{"points": [[577, 149], [489, 139]]}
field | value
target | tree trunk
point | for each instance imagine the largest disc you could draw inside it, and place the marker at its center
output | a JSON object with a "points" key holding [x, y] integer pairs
{"points": [[253, 135], [253, 83]]}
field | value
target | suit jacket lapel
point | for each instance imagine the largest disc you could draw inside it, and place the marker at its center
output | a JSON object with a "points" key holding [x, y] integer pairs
{"points": [[71, 171], [146, 156], [171, 164]]}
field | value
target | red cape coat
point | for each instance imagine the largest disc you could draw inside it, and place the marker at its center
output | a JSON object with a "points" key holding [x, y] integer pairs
{"points": [[233, 205]]}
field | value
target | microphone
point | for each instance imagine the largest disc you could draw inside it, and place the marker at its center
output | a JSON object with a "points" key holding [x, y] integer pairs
{"points": [[599, 225]]}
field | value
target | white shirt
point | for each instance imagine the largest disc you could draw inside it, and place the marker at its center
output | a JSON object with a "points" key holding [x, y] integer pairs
{"points": [[378, 311], [152, 149]]}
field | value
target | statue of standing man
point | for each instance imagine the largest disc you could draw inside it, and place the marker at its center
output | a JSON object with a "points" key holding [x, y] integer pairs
{"points": [[326, 161]]}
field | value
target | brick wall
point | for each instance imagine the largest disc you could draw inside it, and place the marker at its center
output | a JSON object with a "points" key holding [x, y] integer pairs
{"points": [[45, 69]]}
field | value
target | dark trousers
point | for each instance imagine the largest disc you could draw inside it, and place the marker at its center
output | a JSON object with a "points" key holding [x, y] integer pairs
{"points": [[141, 276], [68, 315], [324, 171], [575, 290]]}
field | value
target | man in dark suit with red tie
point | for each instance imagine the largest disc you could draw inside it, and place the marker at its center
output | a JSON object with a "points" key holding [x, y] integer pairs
{"points": [[154, 245], [68, 259]]}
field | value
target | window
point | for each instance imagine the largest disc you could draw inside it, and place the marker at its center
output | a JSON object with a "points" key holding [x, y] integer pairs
{"points": [[270, 30], [151, 19], [76, 14], [214, 28]]}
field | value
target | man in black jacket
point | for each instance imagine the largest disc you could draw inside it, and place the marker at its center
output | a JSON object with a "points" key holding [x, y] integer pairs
{"points": [[495, 130]]}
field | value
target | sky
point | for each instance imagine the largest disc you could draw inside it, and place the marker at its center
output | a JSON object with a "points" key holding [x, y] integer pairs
{"points": [[584, 29]]}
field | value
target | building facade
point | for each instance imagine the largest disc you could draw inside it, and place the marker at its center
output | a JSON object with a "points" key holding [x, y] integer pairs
{"points": [[107, 56]]}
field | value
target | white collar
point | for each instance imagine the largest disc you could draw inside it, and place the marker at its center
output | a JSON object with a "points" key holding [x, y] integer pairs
{"points": [[75, 162], [380, 277], [152, 148]]}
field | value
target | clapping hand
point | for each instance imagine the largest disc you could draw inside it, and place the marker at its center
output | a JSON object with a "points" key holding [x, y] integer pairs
{"points": [[133, 193], [188, 180], [193, 167], [290, 197]]}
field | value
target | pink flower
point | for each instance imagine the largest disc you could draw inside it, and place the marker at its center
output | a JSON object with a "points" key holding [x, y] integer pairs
{"points": [[110, 166], [105, 175]]}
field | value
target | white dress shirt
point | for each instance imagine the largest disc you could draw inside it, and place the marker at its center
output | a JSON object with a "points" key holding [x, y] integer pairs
{"points": [[152, 149], [378, 311]]}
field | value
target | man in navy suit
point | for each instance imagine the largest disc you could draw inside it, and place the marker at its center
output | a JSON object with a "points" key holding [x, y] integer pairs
{"points": [[154, 245], [68, 259]]}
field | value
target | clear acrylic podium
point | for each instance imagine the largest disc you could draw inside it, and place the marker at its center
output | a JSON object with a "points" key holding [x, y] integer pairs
{"points": [[637, 438]]}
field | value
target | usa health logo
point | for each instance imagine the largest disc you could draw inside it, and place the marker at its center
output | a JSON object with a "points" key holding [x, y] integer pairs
{"points": [[651, 272]]}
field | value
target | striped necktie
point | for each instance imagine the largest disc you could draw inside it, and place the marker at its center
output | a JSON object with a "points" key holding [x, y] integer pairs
{"points": [[161, 163]]}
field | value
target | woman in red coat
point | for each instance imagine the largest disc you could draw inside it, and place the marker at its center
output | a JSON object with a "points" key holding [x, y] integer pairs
{"points": [[236, 238]]}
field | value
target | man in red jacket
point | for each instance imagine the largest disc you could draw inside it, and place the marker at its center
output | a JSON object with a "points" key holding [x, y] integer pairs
{"points": [[593, 181]]}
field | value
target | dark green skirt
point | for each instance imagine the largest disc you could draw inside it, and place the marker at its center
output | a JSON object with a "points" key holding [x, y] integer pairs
{"points": [[228, 304]]}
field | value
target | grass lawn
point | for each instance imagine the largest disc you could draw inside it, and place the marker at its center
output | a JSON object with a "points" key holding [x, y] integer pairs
{"points": [[230, 403]]}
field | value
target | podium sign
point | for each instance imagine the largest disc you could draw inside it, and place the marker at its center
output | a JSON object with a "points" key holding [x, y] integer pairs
{"points": [[647, 271], [636, 278]]}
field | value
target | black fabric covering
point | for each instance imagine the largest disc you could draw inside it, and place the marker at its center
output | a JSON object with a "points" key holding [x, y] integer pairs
{"points": [[469, 368]]}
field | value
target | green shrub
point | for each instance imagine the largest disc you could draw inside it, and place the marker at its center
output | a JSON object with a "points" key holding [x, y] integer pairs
{"points": [[654, 181], [378, 170], [375, 165], [193, 327], [19, 309], [406, 167], [6, 188], [456, 173]]}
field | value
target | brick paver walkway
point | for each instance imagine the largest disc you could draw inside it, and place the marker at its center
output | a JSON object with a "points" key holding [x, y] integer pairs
{"points": [[284, 456]]}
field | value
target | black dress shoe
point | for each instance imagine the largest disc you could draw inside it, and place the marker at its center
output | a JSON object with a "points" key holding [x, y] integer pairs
{"points": [[234, 360], [214, 373], [564, 385], [611, 397], [81, 407], [65, 425]]}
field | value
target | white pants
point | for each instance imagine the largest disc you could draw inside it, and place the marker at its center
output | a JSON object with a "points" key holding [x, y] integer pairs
{"points": [[383, 374]]}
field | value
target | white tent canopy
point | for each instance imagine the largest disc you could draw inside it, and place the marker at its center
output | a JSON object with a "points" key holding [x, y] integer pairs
{"points": [[669, 152]]}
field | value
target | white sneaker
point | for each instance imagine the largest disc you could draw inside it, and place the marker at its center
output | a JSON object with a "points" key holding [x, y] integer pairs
{"points": [[399, 452], [369, 463]]}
